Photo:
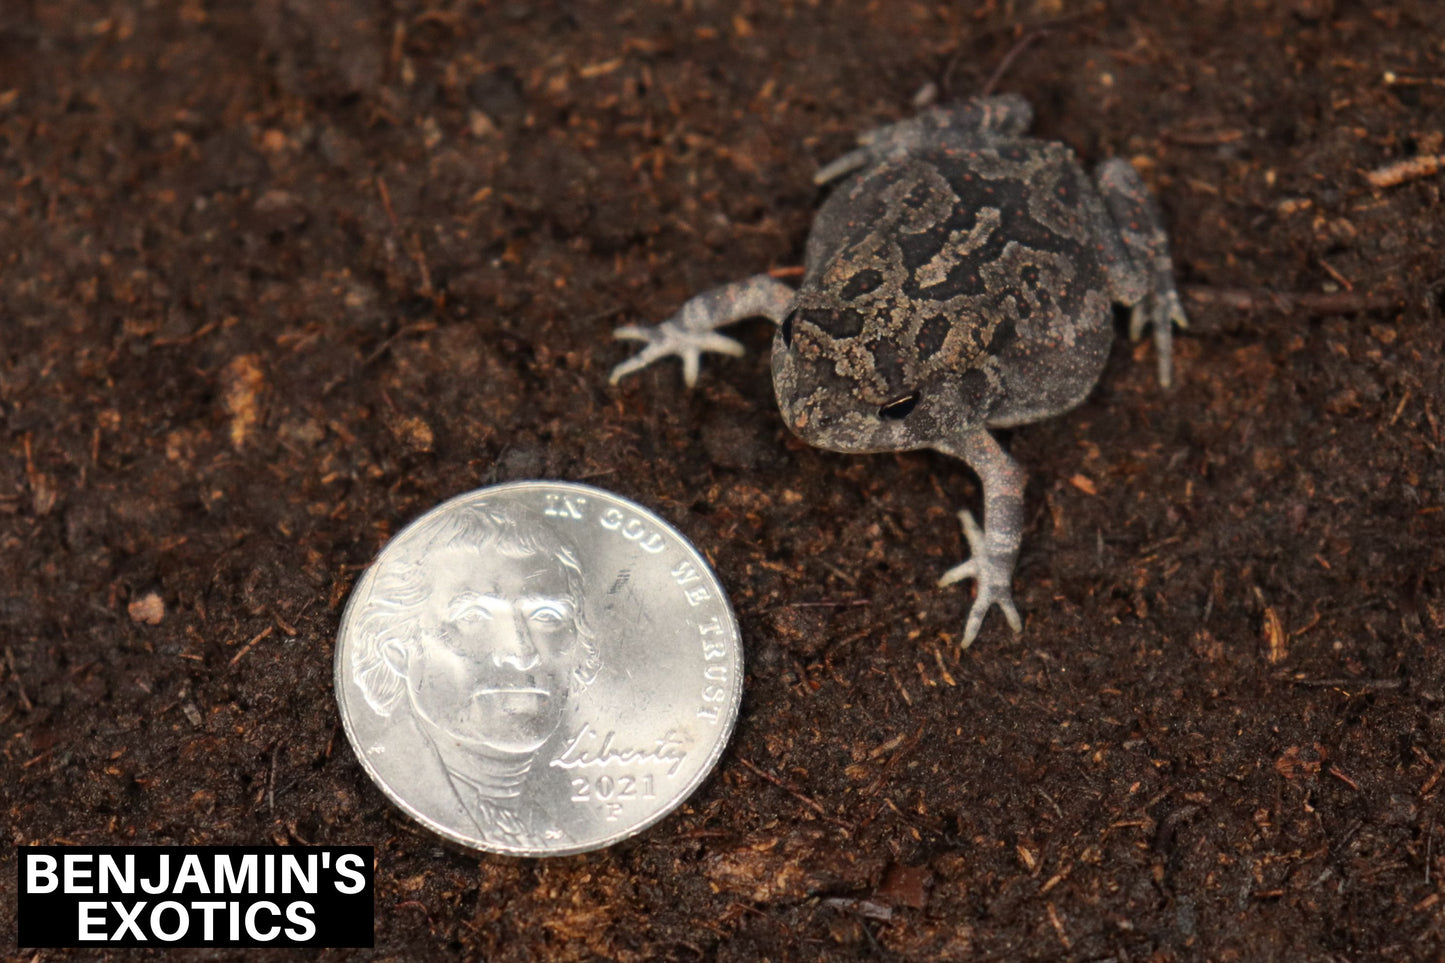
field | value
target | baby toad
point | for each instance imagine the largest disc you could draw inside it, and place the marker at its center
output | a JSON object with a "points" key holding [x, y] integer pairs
{"points": [[958, 278]]}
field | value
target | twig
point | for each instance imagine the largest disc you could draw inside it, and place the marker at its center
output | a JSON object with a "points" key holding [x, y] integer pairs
{"points": [[1058, 925], [1343, 777], [1009, 58], [416, 327], [1409, 169], [271, 782], [1343, 281], [1393, 79], [796, 793], [1312, 302], [1429, 845], [261, 636], [418, 253], [386, 204], [1203, 138], [1035, 30], [1434, 778], [1381, 685], [25, 702]]}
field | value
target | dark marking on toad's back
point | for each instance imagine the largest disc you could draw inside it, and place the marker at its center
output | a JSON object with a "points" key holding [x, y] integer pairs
{"points": [[959, 278]]}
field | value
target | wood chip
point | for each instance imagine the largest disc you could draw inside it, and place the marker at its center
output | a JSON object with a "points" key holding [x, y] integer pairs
{"points": [[148, 609], [1410, 169]]}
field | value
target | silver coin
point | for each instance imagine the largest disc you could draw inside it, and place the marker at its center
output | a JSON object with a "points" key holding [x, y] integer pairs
{"points": [[538, 668]]}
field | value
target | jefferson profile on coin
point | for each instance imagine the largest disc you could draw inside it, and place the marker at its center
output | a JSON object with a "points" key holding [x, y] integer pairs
{"points": [[473, 643]]}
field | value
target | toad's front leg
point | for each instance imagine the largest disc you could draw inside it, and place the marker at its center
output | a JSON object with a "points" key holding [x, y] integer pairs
{"points": [[693, 329], [995, 548]]}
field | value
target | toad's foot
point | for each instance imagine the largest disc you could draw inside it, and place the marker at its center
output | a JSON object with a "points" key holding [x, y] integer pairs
{"points": [[993, 576], [671, 338], [1164, 311], [1144, 276], [693, 329]]}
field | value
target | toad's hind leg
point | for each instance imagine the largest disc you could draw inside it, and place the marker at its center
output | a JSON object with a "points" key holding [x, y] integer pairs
{"points": [[1142, 274], [994, 549]]}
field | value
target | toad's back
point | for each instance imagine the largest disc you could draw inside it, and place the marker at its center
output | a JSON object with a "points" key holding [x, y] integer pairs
{"points": [[973, 260]]}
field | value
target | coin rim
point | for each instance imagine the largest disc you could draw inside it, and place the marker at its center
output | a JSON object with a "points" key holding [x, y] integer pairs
{"points": [[726, 725]]}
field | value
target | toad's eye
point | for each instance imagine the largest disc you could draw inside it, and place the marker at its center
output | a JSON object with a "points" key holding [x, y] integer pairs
{"points": [[899, 409], [788, 329]]}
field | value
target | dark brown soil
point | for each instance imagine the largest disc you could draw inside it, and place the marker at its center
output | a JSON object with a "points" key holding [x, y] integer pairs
{"points": [[278, 275]]}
